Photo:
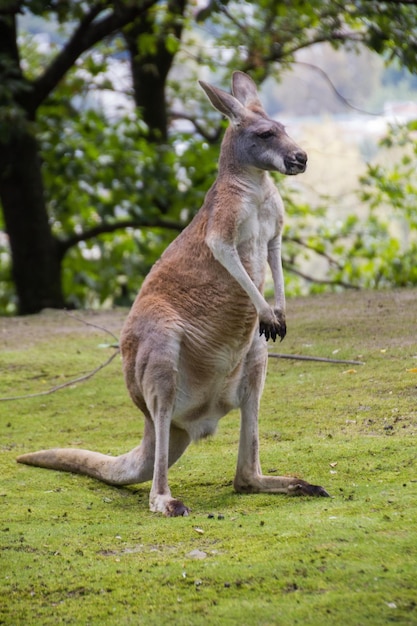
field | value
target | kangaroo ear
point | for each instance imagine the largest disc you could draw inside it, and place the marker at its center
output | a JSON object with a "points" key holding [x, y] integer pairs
{"points": [[224, 102], [245, 90]]}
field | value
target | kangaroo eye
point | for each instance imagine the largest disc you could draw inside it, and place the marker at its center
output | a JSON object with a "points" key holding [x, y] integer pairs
{"points": [[266, 135]]}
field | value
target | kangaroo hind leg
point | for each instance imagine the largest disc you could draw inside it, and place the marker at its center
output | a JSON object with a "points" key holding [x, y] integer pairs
{"points": [[249, 477], [158, 383], [161, 500]]}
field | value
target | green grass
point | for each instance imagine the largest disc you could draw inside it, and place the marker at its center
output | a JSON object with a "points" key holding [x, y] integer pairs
{"points": [[75, 551]]}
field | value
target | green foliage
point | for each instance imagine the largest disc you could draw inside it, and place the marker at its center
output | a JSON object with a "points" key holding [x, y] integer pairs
{"points": [[375, 247], [107, 186], [115, 200], [109, 183], [257, 35], [383, 246]]}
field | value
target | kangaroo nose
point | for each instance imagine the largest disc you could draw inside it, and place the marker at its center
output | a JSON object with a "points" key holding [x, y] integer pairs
{"points": [[301, 157]]}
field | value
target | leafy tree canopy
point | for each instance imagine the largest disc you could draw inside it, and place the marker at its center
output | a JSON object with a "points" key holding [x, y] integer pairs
{"points": [[106, 193]]}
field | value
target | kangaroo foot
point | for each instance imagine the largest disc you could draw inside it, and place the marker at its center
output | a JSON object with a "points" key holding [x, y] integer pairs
{"points": [[176, 508], [170, 507]]}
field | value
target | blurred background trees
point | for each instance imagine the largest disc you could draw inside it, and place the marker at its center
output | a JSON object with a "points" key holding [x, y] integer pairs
{"points": [[107, 145]]}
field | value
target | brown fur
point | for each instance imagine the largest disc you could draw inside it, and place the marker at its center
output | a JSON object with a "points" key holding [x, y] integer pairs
{"points": [[194, 343]]}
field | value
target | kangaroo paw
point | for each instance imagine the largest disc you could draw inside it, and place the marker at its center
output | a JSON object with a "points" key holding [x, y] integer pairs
{"points": [[271, 331], [302, 488]]}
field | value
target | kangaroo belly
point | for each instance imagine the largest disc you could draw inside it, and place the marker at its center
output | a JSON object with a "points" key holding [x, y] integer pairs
{"points": [[208, 384], [203, 398]]}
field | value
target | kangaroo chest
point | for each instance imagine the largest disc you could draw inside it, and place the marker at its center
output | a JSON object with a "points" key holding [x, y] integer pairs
{"points": [[262, 220]]}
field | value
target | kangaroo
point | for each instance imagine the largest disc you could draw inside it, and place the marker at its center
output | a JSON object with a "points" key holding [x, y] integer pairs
{"points": [[194, 345]]}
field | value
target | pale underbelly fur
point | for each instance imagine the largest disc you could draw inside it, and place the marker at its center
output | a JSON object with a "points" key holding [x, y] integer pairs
{"points": [[199, 407]]}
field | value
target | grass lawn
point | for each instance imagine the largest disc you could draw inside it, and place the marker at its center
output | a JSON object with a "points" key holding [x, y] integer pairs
{"points": [[75, 551]]}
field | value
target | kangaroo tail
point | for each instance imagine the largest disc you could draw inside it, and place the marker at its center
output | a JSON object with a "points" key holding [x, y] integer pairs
{"points": [[126, 469]]}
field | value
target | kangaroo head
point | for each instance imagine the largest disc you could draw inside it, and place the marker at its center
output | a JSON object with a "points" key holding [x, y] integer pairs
{"points": [[254, 139]]}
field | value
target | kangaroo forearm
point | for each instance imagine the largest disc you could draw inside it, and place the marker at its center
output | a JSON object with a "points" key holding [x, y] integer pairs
{"points": [[228, 257]]}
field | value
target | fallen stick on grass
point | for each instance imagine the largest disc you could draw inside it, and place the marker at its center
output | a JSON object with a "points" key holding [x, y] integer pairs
{"points": [[300, 357], [103, 328], [63, 385]]}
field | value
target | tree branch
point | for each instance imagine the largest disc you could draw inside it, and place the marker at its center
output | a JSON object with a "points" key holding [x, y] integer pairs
{"points": [[102, 229], [337, 93], [210, 137], [311, 248], [241, 27], [105, 330], [280, 53], [338, 35], [319, 281], [89, 32]]}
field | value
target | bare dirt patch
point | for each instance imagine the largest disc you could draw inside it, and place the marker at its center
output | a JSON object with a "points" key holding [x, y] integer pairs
{"points": [[367, 310], [27, 331]]}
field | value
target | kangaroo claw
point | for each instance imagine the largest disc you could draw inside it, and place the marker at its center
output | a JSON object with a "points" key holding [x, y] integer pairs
{"points": [[302, 488], [177, 509], [271, 331]]}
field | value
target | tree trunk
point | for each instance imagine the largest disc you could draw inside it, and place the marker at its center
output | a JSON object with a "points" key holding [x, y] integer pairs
{"points": [[36, 258], [150, 70]]}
